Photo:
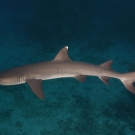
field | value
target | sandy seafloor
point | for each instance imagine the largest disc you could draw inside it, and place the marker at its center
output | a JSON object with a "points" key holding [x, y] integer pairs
{"points": [[70, 107]]}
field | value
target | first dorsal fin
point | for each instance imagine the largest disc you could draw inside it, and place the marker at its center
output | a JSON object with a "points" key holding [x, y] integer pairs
{"points": [[63, 55]]}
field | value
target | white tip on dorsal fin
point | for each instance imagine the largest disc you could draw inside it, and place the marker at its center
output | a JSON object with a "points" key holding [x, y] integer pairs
{"points": [[63, 55]]}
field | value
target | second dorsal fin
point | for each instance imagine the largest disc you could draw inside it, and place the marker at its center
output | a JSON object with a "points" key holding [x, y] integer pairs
{"points": [[107, 65], [63, 55]]}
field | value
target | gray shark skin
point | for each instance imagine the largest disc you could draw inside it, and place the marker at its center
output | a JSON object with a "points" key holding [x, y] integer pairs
{"points": [[61, 67]]}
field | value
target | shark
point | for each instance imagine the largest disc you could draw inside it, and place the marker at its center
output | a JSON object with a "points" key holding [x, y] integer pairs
{"points": [[62, 67]]}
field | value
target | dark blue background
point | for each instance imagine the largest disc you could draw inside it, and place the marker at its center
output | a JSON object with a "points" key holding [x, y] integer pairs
{"points": [[95, 31]]}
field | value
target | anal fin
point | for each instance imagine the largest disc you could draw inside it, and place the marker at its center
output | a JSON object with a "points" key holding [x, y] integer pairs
{"points": [[36, 86], [105, 79]]}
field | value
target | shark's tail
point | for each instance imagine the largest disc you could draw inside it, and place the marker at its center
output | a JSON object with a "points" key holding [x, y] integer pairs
{"points": [[128, 79]]}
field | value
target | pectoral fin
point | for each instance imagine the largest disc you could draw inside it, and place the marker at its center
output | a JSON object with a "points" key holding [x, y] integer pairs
{"points": [[36, 86]]}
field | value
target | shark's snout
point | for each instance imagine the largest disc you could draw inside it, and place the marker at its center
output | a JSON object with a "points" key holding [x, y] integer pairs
{"points": [[8, 81]]}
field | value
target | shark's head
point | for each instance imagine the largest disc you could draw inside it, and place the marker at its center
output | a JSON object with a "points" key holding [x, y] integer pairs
{"points": [[8, 81], [7, 78]]}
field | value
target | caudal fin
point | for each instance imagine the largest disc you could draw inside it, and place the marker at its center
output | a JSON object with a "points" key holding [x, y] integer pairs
{"points": [[129, 79]]}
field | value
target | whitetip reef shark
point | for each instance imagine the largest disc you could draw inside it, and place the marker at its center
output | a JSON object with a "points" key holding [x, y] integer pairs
{"points": [[61, 67]]}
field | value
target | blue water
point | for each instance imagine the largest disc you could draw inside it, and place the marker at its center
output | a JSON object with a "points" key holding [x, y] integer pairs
{"points": [[95, 31]]}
